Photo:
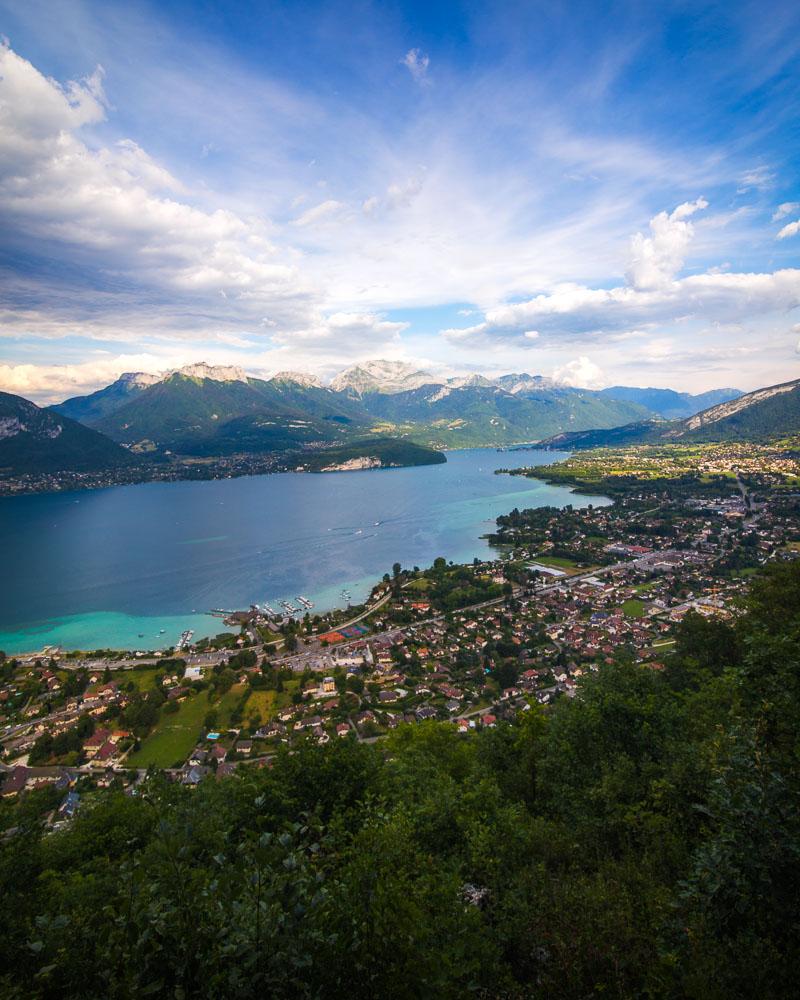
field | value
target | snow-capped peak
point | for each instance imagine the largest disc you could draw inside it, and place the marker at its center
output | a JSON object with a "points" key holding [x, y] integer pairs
{"points": [[382, 376]]}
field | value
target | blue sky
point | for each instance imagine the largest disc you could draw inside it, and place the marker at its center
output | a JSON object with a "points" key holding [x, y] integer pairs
{"points": [[606, 193]]}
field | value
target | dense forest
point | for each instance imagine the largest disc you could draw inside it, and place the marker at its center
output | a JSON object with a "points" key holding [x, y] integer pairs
{"points": [[639, 840]]}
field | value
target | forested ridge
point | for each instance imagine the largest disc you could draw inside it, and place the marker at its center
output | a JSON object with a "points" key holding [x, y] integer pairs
{"points": [[639, 840]]}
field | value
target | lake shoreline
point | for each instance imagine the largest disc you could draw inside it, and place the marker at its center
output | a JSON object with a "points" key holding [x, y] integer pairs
{"points": [[111, 568]]}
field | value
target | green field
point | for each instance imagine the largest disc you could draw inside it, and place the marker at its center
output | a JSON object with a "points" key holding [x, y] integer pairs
{"points": [[142, 679], [557, 562], [634, 608], [175, 735], [263, 702]]}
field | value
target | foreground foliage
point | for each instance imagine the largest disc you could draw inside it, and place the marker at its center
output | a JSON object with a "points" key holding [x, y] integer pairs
{"points": [[642, 840]]}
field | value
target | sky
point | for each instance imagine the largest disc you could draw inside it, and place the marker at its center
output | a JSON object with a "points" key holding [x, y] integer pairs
{"points": [[604, 193]]}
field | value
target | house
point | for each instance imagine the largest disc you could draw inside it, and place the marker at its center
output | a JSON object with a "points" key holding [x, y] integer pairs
{"points": [[194, 776], [328, 685], [488, 721], [69, 806], [342, 729], [104, 755], [15, 782], [244, 747], [92, 745]]}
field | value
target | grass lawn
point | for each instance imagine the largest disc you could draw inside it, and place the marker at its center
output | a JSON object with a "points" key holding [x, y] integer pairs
{"points": [[143, 679], [421, 584], [263, 702], [175, 735], [643, 588], [633, 608], [558, 562]]}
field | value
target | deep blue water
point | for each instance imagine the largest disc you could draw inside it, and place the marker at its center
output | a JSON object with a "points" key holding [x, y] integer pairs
{"points": [[97, 568]]}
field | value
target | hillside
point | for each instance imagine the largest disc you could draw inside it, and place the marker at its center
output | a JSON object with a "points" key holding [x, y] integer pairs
{"points": [[35, 440], [669, 404], [196, 415], [638, 432], [768, 412], [93, 408], [755, 416], [638, 840], [476, 415], [388, 452]]}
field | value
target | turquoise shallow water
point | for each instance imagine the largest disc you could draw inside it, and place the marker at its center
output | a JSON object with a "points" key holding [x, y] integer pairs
{"points": [[114, 567]]}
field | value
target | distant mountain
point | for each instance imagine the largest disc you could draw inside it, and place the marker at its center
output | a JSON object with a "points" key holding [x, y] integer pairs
{"points": [[380, 376], [764, 413], [204, 411], [760, 415], [92, 408], [451, 416], [636, 432], [298, 378], [523, 382], [35, 440], [668, 403], [196, 415]]}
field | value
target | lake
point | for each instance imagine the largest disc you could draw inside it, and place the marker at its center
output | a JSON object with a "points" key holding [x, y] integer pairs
{"points": [[132, 566]]}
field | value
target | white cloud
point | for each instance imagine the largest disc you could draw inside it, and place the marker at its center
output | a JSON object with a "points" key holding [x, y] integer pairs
{"points": [[655, 260], [417, 63], [110, 201], [319, 212], [344, 328], [582, 373], [785, 209], [54, 383], [790, 229], [761, 178], [573, 311]]}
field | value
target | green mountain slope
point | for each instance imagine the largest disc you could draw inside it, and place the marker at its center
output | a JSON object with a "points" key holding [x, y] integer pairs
{"points": [[35, 440], [205, 416], [93, 408], [475, 415], [390, 452], [755, 416]]}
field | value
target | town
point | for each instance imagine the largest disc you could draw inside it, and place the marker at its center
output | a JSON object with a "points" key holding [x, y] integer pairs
{"points": [[467, 645]]}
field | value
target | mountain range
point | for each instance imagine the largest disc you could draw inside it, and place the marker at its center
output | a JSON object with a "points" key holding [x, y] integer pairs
{"points": [[205, 411], [763, 414]]}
